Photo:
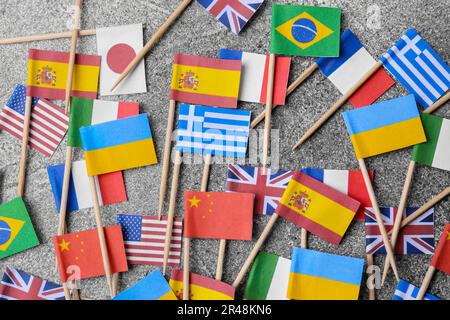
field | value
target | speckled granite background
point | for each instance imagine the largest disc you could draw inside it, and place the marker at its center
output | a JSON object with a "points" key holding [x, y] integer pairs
{"points": [[197, 32]]}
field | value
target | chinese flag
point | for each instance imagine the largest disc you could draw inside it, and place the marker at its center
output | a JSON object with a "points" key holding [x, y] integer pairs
{"points": [[218, 215], [80, 257], [441, 258]]}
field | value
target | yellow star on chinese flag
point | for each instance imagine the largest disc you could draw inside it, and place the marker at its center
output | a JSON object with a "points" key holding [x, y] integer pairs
{"points": [[64, 246], [193, 202], [448, 235]]}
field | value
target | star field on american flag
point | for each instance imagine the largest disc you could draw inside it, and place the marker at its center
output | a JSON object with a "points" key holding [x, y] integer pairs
{"points": [[17, 99], [131, 226]]}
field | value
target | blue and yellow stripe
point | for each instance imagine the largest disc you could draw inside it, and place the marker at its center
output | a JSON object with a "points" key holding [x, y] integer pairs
{"points": [[152, 287], [118, 145], [386, 126], [322, 276]]}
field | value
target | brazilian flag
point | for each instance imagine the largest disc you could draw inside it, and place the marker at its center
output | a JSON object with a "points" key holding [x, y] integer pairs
{"points": [[305, 31], [16, 230]]}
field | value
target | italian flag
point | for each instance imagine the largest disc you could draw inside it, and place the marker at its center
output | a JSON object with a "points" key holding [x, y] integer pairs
{"points": [[87, 112], [436, 151], [268, 278]]}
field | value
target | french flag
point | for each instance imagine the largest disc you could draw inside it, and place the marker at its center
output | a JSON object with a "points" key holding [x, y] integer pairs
{"points": [[352, 64], [110, 187], [349, 182], [255, 70]]}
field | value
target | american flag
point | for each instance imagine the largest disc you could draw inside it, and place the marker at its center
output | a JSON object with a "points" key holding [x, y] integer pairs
{"points": [[415, 238], [233, 14], [144, 239], [48, 123], [19, 285], [267, 189]]}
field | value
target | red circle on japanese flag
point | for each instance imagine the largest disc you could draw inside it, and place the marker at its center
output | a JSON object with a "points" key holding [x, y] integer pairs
{"points": [[119, 56]]}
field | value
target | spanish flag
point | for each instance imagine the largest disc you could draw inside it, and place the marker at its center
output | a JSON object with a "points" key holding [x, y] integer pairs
{"points": [[322, 276], [118, 145], [205, 81], [47, 74], [200, 287], [387, 126], [316, 207]]}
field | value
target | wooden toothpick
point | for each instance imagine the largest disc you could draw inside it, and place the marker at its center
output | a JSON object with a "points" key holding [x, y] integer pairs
{"points": [[406, 187], [187, 241], [294, 85], [101, 235], [73, 47], [337, 105], [377, 213], [372, 293], [24, 149], [172, 205], [48, 36], [166, 156], [268, 119], [398, 218], [251, 257], [426, 283]]}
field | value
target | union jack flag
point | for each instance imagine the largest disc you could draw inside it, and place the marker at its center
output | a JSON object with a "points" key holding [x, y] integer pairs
{"points": [[267, 189], [415, 238], [19, 285], [233, 14]]}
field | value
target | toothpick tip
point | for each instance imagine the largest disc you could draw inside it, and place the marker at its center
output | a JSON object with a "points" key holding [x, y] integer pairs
{"points": [[113, 88], [160, 210], [384, 277]]}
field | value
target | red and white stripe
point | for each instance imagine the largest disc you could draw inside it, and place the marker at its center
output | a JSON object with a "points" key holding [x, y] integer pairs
{"points": [[150, 250], [48, 126]]}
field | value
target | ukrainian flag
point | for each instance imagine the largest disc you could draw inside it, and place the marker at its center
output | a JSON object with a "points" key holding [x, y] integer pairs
{"points": [[118, 145], [152, 287], [387, 126], [322, 276]]}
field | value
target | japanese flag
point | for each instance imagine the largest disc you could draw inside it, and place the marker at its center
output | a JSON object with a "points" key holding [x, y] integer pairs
{"points": [[118, 46]]}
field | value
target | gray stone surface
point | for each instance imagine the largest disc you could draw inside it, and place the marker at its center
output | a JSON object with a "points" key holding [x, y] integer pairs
{"points": [[196, 32]]}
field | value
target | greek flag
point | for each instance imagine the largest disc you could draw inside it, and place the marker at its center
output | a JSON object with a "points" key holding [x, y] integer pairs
{"points": [[418, 67], [407, 291], [215, 131]]}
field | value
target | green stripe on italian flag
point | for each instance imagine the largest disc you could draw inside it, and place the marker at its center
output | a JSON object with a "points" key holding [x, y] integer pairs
{"points": [[268, 278], [86, 112]]}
